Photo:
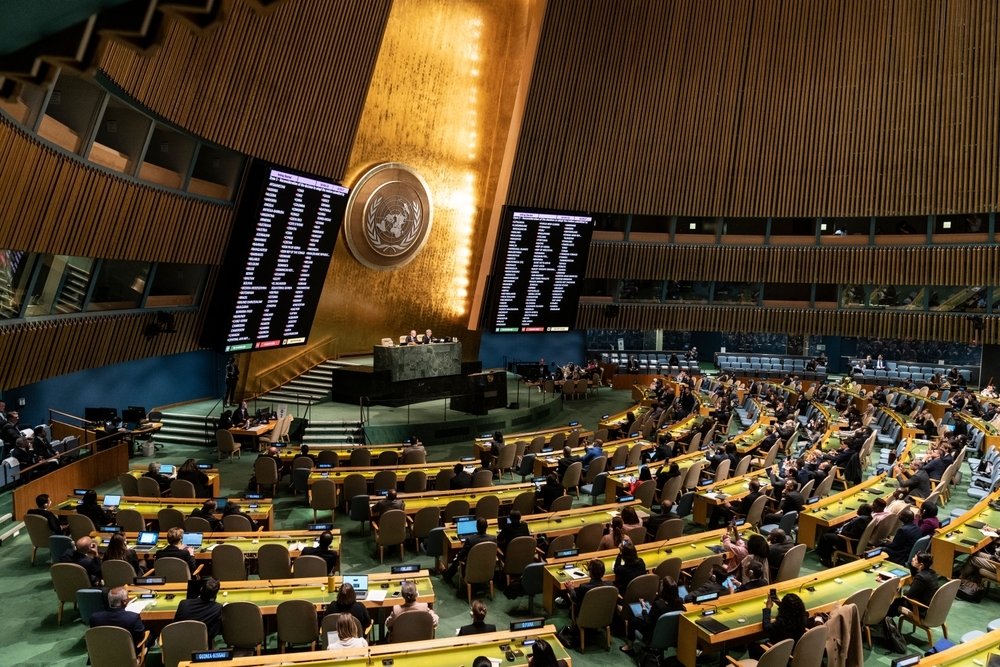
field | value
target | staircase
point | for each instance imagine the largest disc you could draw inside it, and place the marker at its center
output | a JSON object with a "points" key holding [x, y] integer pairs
{"points": [[9, 529], [74, 290], [185, 429], [333, 433], [313, 386]]}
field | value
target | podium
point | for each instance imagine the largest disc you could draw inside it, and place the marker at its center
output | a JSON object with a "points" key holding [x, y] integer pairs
{"points": [[484, 392]]}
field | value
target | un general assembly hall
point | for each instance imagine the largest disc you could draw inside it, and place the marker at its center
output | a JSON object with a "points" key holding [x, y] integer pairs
{"points": [[568, 332]]}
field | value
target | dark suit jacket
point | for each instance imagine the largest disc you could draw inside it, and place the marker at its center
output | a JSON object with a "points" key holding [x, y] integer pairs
{"points": [[923, 586], [329, 556], [471, 542], [171, 551], [902, 543], [357, 610], [462, 480], [196, 609], [50, 517], [129, 620], [476, 629], [853, 528], [91, 565], [548, 493], [520, 529], [95, 513]]}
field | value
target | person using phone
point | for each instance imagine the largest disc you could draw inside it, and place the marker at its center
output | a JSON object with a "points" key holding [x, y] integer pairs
{"points": [[790, 622]]}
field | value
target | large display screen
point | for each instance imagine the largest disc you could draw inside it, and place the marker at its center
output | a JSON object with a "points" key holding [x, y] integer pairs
{"points": [[538, 270], [286, 226]]}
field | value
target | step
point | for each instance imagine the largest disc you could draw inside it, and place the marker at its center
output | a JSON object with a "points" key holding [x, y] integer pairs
{"points": [[11, 532]]}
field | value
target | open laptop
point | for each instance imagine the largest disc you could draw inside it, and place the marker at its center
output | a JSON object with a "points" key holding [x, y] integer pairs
{"points": [[360, 584], [166, 469], [146, 541], [193, 540], [112, 502], [466, 528]]}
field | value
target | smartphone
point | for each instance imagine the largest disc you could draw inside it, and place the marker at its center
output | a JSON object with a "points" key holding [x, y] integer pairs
{"points": [[773, 594]]}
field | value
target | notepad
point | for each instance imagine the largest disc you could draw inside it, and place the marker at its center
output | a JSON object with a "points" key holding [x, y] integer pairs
{"points": [[377, 594], [138, 605], [712, 625]]}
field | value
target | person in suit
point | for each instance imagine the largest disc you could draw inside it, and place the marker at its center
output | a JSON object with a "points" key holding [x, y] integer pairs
{"points": [[428, 337], [906, 536], [241, 415], [463, 554], [388, 502], [409, 593], [42, 505], [514, 528], [628, 565], [324, 551], [837, 540], [595, 450], [922, 587], [412, 338], [175, 549], [778, 546], [86, 556], [596, 570], [568, 459], [190, 472], [790, 622], [722, 514], [118, 616], [918, 484], [551, 490], [207, 512], [232, 379], [203, 608], [235, 509], [153, 472], [461, 480], [118, 549], [479, 625], [93, 511]]}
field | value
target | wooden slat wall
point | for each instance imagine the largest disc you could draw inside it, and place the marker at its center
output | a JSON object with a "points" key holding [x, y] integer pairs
{"points": [[865, 265], [760, 108], [53, 203], [32, 351], [287, 86], [921, 326]]}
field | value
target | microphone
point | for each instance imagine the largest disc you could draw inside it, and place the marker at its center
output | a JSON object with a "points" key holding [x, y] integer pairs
{"points": [[806, 584]]}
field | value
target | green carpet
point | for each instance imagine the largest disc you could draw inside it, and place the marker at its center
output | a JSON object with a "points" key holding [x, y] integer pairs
{"points": [[28, 614]]}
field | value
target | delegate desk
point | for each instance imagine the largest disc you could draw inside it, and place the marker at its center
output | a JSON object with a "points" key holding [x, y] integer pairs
{"points": [[427, 653], [619, 419], [289, 454], [552, 525], [748, 441], [339, 474], [562, 574], [213, 478], [728, 490], [415, 362], [618, 480], [991, 436], [268, 594], [841, 507], [250, 543], [963, 536], [935, 407], [737, 616], [549, 462], [973, 652], [253, 433], [481, 444], [414, 502], [149, 508]]}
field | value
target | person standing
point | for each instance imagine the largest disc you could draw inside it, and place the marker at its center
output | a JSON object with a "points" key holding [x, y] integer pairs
{"points": [[232, 379]]}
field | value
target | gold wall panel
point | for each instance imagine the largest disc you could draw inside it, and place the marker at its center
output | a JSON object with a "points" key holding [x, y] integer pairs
{"points": [[53, 203], [287, 85], [964, 265], [919, 326], [440, 102], [763, 108]]}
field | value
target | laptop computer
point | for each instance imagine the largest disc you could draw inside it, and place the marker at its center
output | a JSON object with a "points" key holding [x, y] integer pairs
{"points": [[360, 584], [146, 541], [193, 540], [112, 502], [466, 529], [166, 469]]}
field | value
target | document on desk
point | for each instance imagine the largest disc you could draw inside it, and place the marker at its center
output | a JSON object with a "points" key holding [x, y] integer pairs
{"points": [[138, 606], [377, 595]]}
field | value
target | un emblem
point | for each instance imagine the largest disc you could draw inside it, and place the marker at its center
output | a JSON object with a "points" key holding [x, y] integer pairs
{"points": [[388, 216]]}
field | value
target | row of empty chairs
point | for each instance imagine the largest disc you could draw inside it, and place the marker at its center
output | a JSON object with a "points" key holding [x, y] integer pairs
{"points": [[652, 362], [768, 366]]}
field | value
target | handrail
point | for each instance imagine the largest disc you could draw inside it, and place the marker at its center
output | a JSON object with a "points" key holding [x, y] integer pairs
{"points": [[92, 445], [312, 356]]}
